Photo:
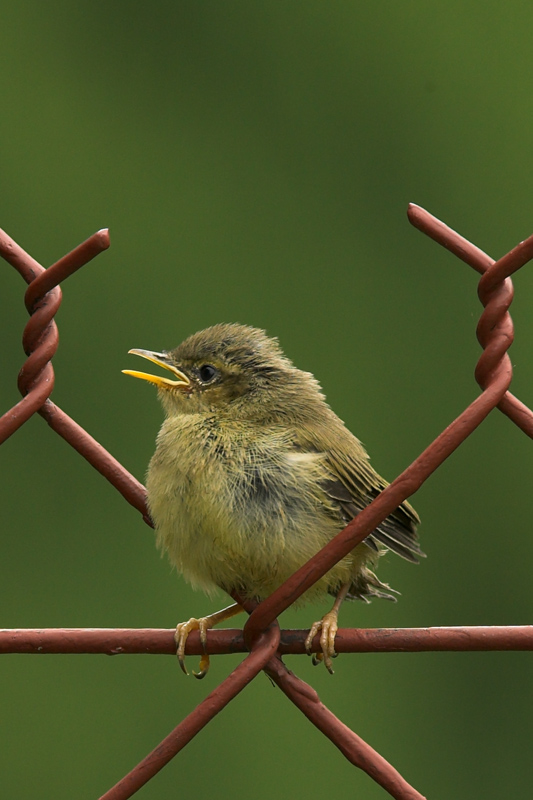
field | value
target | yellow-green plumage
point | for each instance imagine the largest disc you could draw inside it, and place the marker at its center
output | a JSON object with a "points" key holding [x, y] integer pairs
{"points": [[253, 472]]}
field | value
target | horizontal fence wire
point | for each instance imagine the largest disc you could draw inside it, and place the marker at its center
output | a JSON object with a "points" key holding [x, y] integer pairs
{"points": [[261, 638], [160, 641]]}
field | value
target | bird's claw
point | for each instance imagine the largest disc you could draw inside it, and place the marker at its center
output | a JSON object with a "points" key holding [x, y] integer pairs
{"points": [[328, 630], [183, 630], [204, 667]]}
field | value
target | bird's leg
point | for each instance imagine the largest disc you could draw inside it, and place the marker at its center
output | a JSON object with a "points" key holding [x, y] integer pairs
{"points": [[202, 624], [328, 628]]}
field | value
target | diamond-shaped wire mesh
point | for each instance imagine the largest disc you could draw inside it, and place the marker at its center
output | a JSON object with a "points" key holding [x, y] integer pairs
{"points": [[261, 637]]}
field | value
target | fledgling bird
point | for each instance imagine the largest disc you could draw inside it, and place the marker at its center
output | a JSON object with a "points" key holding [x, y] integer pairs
{"points": [[253, 474]]}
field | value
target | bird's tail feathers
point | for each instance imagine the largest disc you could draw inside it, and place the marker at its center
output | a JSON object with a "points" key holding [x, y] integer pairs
{"points": [[367, 586]]}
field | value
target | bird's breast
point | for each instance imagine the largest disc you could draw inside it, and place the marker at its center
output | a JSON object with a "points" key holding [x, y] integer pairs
{"points": [[236, 506]]}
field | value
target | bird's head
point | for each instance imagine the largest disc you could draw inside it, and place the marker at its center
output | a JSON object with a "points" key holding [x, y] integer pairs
{"points": [[232, 369]]}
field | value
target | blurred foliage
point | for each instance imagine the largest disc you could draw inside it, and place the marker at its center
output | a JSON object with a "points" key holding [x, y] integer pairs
{"points": [[254, 162]]}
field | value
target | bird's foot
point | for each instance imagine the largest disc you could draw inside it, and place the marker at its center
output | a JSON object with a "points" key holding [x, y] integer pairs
{"points": [[180, 637], [328, 630], [202, 624]]}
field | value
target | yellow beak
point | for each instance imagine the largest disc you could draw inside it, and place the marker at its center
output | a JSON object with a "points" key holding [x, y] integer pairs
{"points": [[161, 359]]}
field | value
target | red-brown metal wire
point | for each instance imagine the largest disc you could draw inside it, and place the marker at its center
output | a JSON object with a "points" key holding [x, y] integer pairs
{"points": [[520, 414], [355, 749], [160, 641], [40, 340], [261, 636], [262, 651]]}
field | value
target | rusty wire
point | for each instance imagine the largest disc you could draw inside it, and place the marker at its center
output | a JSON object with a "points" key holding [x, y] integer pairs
{"points": [[160, 641], [261, 637]]}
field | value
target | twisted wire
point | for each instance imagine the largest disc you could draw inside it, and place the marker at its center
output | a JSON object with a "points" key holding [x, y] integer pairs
{"points": [[36, 378], [510, 405], [40, 338]]}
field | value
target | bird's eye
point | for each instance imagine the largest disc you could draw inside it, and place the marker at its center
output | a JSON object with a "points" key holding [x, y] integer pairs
{"points": [[207, 373]]}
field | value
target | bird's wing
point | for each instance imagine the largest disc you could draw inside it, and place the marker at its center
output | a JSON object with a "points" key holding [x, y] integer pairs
{"points": [[353, 483]]}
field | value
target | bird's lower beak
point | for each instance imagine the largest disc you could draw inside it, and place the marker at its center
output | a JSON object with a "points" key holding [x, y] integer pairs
{"points": [[182, 382]]}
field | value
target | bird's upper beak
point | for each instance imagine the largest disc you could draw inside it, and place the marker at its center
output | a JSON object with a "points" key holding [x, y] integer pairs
{"points": [[162, 359]]}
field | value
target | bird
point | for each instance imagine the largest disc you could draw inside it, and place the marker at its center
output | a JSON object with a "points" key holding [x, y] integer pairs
{"points": [[253, 473]]}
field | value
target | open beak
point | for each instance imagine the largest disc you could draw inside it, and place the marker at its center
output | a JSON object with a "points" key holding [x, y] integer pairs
{"points": [[161, 359]]}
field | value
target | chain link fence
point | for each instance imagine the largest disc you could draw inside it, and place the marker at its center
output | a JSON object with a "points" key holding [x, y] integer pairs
{"points": [[261, 639]]}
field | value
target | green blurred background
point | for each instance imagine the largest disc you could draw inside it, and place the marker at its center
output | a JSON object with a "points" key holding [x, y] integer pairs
{"points": [[253, 162]]}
